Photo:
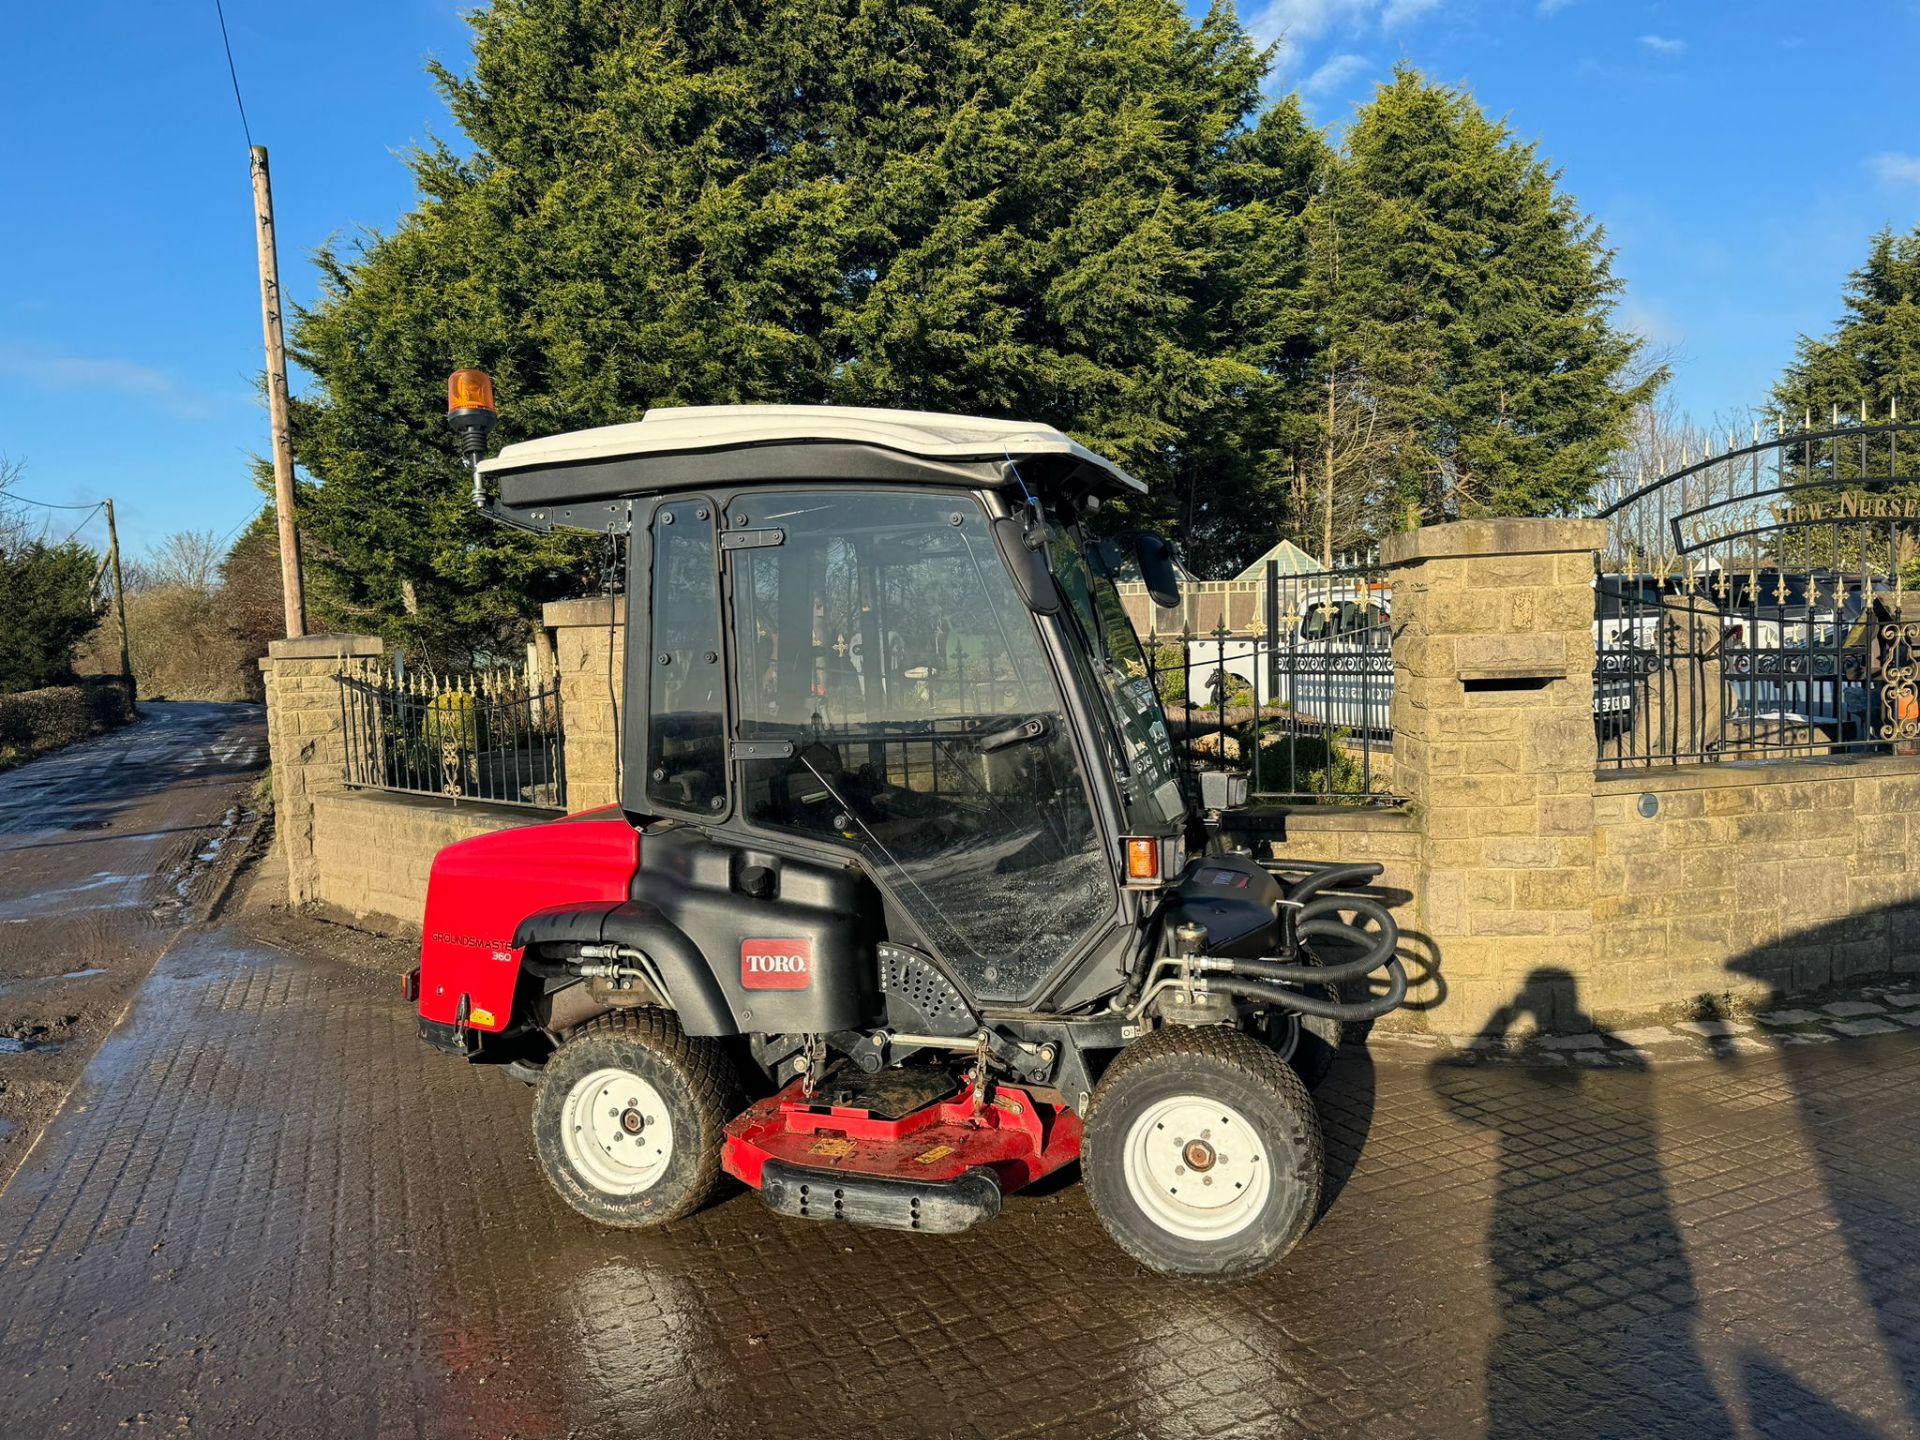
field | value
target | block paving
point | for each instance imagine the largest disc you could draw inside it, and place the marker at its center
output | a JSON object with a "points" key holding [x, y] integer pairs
{"points": [[269, 1209]]}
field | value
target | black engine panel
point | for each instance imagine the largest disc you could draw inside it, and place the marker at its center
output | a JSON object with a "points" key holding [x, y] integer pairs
{"points": [[790, 942], [1234, 898]]}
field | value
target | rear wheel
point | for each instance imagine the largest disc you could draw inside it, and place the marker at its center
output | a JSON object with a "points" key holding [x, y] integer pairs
{"points": [[1203, 1154], [629, 1117]]}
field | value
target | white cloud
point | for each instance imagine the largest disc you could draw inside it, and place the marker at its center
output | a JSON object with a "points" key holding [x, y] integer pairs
{"points": [[1553, 7], [1298, 21], [1334, 73], [1894, 168], [1664, 44], [51, 371], [1399, 12]]}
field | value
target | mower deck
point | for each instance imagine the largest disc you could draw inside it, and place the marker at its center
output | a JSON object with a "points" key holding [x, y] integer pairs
{"points": [[941, 1166]]}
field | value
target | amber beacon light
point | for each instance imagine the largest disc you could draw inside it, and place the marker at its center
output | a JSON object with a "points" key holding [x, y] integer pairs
{"points": [[471, 414]]}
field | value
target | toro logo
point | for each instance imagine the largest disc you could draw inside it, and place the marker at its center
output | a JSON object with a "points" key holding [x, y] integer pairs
{"points": [[776, 964]]}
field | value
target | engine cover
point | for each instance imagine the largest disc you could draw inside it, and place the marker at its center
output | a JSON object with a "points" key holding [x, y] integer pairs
{"points": [[1233, 897]]}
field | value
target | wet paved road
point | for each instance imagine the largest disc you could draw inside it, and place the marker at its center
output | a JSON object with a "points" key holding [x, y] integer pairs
{"points": [[104, 849], [268, 1209]]}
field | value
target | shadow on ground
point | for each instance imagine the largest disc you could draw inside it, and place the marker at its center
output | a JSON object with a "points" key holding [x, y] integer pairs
{"points": [[1596, 1300]]}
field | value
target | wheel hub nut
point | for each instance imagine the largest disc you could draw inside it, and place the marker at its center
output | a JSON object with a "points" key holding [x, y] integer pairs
{"points": [[1199, 1155], [631, 1120]]}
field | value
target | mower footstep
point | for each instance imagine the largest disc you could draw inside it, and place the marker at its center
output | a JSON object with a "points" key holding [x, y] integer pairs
{"points": [[940, 1208]]}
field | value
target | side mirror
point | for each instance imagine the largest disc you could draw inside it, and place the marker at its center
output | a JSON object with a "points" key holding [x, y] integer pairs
{"points": [[1027, 567], [1158, 569]]}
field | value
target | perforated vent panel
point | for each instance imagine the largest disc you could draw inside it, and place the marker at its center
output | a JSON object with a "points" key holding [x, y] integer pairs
{"points": [[919, 997]]}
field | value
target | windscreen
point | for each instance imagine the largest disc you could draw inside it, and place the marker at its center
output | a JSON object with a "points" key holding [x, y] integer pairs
{"points": [[1116, 666]]}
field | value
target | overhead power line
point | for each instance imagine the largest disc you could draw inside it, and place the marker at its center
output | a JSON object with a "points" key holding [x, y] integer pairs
{"points": [[245, 129], [7, 496], [85, 520]]}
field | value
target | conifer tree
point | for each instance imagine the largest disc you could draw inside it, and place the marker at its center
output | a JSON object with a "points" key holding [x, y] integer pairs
{"points": [[1467, 305], [1872, 356]]}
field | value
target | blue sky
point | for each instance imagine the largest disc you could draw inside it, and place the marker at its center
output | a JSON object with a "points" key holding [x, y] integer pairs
{"points": [[1739, 156]]}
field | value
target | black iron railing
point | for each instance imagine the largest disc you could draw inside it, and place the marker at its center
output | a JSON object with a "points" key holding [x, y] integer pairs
{"points": [[1297, 699], [1699, 665], [494, 735]]}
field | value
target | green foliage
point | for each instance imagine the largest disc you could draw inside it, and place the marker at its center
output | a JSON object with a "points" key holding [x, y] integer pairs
{"points": [[33, 722], [1309, 764], [1467, 303], [452, 718], [1052, 211], [1170, 673], [47, 606], [1872, 356], [1081, 214]]}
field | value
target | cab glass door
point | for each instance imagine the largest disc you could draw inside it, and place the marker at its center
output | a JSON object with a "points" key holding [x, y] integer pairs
{"points": [[894, 698]]}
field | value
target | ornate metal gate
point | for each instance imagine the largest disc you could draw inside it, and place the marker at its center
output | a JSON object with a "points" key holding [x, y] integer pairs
{"points": [[1760, 602]]}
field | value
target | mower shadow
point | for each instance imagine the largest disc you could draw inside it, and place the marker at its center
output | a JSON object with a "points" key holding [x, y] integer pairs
{"points": [[1345, 1101]]}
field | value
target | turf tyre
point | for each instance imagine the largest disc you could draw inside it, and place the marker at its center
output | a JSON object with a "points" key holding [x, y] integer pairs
{"points": [[693, 1080], [1241, 1076]]}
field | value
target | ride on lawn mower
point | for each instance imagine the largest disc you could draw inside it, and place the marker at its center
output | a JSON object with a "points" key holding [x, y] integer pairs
{"points": [[904, 904]]}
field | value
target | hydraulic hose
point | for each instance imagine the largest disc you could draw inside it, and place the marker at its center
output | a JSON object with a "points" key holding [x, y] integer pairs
{"points": [[1319, 919], [1308, 914], [1373, 1009], [1332, 875]]}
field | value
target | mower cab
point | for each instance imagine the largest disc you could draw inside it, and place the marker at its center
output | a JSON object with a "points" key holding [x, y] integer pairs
{"points": [[904, 903]]}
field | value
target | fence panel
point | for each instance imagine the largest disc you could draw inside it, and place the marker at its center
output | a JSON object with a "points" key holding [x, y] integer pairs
{"points": [[493, 735], [1291, 689]]}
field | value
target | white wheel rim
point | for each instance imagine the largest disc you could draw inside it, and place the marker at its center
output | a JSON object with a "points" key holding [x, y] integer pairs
{"points": [[616, 1132], [1196, 1168]]}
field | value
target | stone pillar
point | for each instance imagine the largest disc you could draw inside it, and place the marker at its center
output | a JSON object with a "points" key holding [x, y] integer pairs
{"points": [[590, 646], [306, 737], [1494, 749]]}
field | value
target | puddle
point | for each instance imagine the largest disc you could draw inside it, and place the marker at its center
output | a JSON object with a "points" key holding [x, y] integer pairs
{"points": [[83, 974], [11, 1046], [6, 1128]]}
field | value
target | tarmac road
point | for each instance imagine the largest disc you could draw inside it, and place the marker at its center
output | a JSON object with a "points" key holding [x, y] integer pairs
{"points": [[105, 849]]}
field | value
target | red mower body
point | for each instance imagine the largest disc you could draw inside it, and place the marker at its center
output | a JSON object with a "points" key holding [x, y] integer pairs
{"points": [[483, 887], [1013, 1135]]}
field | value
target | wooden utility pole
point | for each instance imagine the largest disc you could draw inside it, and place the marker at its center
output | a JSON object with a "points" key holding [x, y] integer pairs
{"points": [[291, 588], [119, 593]]}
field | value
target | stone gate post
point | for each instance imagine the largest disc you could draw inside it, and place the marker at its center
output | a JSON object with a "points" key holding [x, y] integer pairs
{"points": [[590, 650], [1494, 750], [306, 737]]}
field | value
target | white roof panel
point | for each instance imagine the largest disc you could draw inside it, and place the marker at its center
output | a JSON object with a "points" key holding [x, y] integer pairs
{"points": [[677, 430]]}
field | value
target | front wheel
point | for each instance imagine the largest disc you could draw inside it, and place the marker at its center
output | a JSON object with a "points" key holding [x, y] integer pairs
{"points": [[1202, 1153], [629, 1117]]}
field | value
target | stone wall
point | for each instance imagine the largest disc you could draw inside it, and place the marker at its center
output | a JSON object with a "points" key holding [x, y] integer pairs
{"points": [[588, 639], [306, 737], [373, 851], [1513, 866], [1525, 871], [360, 855], [1754, 879]]}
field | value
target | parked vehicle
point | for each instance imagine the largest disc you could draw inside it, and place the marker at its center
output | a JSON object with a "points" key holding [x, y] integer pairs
{"points": [[884, 940]]}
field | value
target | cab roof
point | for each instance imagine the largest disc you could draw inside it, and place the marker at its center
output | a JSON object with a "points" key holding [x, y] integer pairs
{"points": [[572, 479]]}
